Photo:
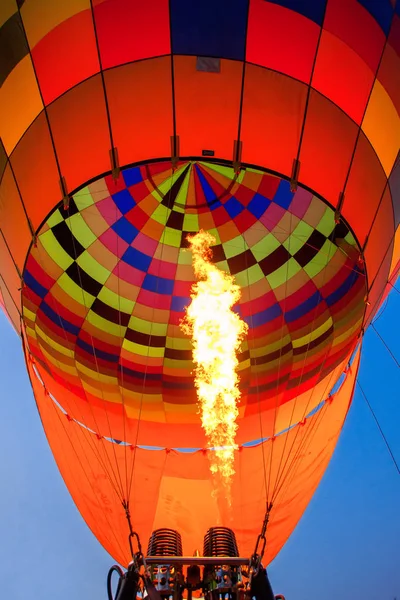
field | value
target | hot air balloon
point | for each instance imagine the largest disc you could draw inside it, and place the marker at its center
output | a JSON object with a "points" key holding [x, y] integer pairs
{"points": [[128, 127]]}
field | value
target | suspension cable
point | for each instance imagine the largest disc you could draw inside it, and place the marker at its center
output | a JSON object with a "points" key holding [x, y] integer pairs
{"points": [[385, 344], [137, 557], [259, 549], [379, 428], [393, 287]]}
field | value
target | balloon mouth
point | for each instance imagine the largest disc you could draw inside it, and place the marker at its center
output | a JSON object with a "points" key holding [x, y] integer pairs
{"points": [[108, 280]]}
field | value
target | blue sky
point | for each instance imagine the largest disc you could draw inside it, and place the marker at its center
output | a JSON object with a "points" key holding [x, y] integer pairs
{"points": [[346, 546]]}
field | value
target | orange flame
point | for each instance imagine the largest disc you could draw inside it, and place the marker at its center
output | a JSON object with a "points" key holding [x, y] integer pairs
{"points": [[217, 333]]}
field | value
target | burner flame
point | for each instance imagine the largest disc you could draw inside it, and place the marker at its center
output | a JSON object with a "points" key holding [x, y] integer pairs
{"points": [[217, 332]]}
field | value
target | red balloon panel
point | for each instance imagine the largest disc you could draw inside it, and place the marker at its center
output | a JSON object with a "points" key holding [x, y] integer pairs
{"points": [[129, 31], [381, 236], [350, 22], [273, 109], [66, 56], [389, 74], [339, 69], [327, 147], [364, 189], [78, 121]]}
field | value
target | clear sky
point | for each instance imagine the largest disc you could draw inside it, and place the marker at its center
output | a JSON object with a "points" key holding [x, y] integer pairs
{"points": [[347, 545]]}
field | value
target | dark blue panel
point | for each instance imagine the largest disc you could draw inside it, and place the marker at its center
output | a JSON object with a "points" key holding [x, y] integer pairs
{"points": [[63, 323], [258, 205], [215, 204], [132, 176], [381, 10], [209, 27], [114, 358], [125, 230], [137, 259], [207, 189], [158, 284], [343, 289], [304, 308], [265, 316], [283, 195], [179, 303], [124, 201], [34, 285], [233, 207], [312, 9]]}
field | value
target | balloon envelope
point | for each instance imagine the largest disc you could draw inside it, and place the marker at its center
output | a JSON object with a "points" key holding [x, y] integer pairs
{"points": [[127, 125]]}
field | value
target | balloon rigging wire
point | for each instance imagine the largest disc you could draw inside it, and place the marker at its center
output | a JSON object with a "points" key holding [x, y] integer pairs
{"points": [[381, 311], [396, 464], [377, 332], [329, 346], [285, 482], [79, 460], [87, 309], [391, 453], [289, 466], [394, 287], [6, 313], [377, 301], [120, 362], [278, 383], [305, 442], [251, 338], [385, 344], [162, 242]]}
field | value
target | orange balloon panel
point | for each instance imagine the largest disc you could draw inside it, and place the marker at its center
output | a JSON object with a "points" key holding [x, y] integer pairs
{"points": [[9, 306], [140, 129], [206, 115], [272, 118], [38, 178], [20, 103], [175, 489], [10, 274], [13, 221]]}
